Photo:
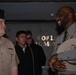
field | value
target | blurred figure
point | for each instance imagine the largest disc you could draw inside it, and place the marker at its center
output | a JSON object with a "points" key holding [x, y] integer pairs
{"points": [[8, 57], [65, 18], [38, 56], [20, 50]]}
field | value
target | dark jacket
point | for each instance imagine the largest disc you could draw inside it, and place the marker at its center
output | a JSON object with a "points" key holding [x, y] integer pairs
{"points": [[30, 61]]}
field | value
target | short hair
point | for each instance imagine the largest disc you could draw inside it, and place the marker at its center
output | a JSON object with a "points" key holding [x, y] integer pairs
{"points": [[20, 32], [28, 32]]}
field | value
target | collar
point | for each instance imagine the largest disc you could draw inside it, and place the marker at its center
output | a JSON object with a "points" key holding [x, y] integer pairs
{"points": [[71, 28], [24, 47]]}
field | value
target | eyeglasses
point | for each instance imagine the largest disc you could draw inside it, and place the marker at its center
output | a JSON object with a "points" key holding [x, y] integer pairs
{"points": [[29, 38]]}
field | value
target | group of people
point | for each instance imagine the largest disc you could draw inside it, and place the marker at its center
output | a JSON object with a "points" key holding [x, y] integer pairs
{"points": [[31, 55], [26, 58]]}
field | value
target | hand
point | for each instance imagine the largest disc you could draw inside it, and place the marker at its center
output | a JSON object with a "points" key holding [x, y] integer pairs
{"points": [[52, 60], [59, 65]]}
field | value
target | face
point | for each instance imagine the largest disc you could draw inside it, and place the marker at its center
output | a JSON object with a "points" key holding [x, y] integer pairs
{"points": [[21, 39], [62, 18], [2, 27], [29, 39]]}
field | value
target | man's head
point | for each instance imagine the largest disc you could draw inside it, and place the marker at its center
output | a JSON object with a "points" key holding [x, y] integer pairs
{"points": [[2, 23], [29, 37], [21, 38], [65, 16]]}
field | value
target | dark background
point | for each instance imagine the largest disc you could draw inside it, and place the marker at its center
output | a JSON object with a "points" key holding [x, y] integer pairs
{"points": [[37, 0]]}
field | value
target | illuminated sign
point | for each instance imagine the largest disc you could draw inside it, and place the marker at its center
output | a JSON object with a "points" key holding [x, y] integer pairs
{"points": [[45, 40]]}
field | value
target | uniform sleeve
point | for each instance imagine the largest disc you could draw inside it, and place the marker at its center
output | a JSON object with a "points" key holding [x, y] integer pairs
{"points": [[15, 60]]}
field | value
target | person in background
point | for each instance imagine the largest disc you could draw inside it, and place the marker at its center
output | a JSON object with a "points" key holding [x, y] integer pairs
{"points": [[8, 57], [20, 50], [65, 18], [37, 53]]}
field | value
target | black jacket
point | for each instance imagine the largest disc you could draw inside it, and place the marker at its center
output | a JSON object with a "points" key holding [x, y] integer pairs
{"points": [[30, 61]]}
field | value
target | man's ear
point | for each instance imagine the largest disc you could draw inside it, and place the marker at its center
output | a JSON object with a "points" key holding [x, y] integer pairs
{"points": [[16, 39], [70, 15]]}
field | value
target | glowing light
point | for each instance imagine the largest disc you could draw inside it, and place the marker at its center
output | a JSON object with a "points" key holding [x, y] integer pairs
{"points": [[46, 41]]}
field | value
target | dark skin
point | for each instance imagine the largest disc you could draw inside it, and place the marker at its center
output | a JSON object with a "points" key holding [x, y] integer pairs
{"points": [[56, 64], [59, 65], [65, 17], [65, 13]]}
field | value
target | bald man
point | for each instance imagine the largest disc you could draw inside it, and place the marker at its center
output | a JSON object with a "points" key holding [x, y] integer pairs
{"points": [[65, 18]]}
